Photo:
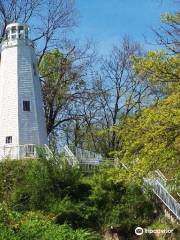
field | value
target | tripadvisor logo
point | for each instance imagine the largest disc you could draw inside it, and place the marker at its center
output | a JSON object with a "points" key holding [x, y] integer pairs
{"points": [[139, 231]]}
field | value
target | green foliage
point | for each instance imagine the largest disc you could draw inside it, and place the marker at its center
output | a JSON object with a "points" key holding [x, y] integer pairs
{"points": [[67, 197], [31, 225], [51, 59], [11, 174], [60, 78], [164, 223], [159, 69], [34, 188], [77, 214], [151, 141], [171, 19], [120, 204], [44, 181]]}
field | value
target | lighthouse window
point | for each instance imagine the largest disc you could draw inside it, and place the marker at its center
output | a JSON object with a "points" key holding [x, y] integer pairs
{"points": [[26, 34], [21, 32], [13, 36], [8, 139], [13, 29], [26, 106], [13, 32], [21, 29], [7, 35]]}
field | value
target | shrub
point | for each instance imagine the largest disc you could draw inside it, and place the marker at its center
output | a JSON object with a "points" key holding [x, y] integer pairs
{"points": [[77, 214], [120, 204], [36, 184], [34, 225]]}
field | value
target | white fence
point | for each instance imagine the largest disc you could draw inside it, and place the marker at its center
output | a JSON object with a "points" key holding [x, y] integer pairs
{"points": [[164, 196], [20, 151], [70, 157], [84, 156]]}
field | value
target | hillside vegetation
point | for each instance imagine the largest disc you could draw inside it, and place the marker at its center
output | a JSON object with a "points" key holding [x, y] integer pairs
{"points": [[46, 199]]}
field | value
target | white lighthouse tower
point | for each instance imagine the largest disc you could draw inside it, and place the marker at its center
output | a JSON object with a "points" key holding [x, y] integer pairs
{"points": [[22, 122]]}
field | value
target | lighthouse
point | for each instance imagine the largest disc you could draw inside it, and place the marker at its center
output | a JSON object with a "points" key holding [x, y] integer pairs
{"points": [[22, 120]]}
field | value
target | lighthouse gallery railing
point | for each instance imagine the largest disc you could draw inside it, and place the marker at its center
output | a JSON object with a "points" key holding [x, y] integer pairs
{"points": [[20, 151]]}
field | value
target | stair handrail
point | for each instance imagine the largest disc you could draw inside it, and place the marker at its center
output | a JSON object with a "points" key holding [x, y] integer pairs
{"points": [[162, 193], [71, 156]]}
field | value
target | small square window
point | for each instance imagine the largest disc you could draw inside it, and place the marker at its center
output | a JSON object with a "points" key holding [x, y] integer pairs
{"points": [[8, 139], [13, 36], [26, 106]]}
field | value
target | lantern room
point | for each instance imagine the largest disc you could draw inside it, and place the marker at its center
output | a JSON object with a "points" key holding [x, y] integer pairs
{"points": [[16, 31]]}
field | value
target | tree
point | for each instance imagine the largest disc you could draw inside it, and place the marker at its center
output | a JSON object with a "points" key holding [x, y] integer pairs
{"points": [[168, 34], [115, 92], [63, 83], [120, 91], [159, 69], [47, 18], [151, 141], [82, 131]]}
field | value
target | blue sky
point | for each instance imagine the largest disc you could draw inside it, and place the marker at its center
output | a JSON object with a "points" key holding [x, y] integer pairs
{"points": [[107, 21]]}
